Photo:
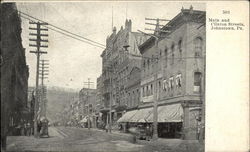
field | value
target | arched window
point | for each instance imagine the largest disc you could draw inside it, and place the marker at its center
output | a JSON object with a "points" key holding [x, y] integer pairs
{"points": [[198, 47]]}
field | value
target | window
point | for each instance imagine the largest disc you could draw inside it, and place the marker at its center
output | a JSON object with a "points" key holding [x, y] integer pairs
{"points": [[147, 91], [151, 89], [159, 83], [172, 51], [180, 48], [198, 47], [197, 81], [178, 81], [142, 91], [165, 85], [166, 55], [171, 83]]}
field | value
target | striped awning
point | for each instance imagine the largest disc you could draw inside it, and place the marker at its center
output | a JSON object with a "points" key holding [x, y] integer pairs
{"points": [[127, 116], [168, 113], [142, 115]]}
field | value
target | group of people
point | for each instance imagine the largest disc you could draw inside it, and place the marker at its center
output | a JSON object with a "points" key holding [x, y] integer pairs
{"points": [[23, 129]]}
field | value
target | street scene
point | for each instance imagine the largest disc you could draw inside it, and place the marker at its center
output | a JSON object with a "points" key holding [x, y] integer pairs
{"points": [[103, 76]]}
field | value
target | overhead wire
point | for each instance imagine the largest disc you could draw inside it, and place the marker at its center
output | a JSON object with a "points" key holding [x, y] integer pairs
{"points": [[64, 33], [29, 16]]}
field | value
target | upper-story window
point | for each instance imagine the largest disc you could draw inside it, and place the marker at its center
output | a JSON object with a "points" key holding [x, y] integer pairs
{"points": [[151, 89], [148, 61], [147, 93], [178, 81], [165, 85], [198, 42], [166, 55], [180, 48], [172, 51], [144, 64], [197, 82], [171, 83]]}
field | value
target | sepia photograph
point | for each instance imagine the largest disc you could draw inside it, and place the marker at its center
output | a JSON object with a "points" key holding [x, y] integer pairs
{"points": [[103, 76]]}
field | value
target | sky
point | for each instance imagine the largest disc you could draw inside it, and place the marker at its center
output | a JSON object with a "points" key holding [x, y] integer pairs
{"points": [[72, 62]]}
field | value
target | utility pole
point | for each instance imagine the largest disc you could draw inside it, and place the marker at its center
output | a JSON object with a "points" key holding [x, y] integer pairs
{"points": [[37, 39], [43, 72], [88, 83], [157, 36]]}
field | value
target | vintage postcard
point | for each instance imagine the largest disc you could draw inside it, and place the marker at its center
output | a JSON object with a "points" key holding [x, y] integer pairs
{"points": [[148, 76]]}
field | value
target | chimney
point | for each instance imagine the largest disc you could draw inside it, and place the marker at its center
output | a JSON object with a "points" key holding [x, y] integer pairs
{"points": [[126, 24], [114, 30], [130, 25]]}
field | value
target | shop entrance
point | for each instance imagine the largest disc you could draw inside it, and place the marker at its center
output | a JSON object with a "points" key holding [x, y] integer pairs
{"points": [[170, 129]]}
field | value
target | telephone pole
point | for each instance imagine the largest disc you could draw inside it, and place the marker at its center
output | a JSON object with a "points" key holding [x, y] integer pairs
{"points": [[43, 72], [157, 36], [88, 83], [37, 38]]}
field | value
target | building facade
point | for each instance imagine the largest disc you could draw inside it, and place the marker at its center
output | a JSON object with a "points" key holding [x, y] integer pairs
{"points": [[172, 74], [118, 59], [14, 73]]}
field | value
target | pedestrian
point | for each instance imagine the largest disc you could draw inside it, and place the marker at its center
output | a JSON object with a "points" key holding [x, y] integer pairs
{"points": [[198, 130], [28, 129], [147, 132], [39, 127], [25, 129], [106, 128]]}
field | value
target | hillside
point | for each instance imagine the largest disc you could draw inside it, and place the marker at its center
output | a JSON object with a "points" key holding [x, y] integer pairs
{"points": [[58, 98]]}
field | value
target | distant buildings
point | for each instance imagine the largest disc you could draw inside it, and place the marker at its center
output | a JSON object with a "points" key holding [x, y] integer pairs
{"points": [[14, 74], [88, 101], [173, 74]]}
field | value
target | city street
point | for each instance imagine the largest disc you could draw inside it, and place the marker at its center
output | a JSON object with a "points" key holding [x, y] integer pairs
{"points": [[81, 139]]}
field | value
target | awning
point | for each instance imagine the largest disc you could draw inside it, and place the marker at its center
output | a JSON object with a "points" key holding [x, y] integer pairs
{"points": [[168, 113], [127, 116], [141, 115]]}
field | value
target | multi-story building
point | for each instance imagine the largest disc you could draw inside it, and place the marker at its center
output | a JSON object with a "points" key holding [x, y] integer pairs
{"points": [[87, 98], [118, 59], [132, 88], [14, 73], [172, 74]]}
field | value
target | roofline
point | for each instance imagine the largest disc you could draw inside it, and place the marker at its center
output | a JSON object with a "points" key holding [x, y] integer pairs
{"points": [[149, 41]]}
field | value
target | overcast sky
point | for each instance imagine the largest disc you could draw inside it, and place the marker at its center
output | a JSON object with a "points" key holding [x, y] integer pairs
{"points": [[72, 62]]}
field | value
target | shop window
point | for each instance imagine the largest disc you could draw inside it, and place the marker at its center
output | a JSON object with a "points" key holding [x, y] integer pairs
{"points": [[198, 47], [197, 82]]}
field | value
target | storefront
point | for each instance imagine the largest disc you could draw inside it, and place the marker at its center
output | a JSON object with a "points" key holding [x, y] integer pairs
{"points": [[170, 119]]}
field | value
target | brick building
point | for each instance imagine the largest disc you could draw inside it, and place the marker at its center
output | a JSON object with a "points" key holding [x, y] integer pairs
{"points": [[14, 73], [118, 59], [173, 74]]}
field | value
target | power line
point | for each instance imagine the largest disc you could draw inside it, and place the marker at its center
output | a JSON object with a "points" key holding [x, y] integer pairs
{"points": [[64, 33], [63, 29]]}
